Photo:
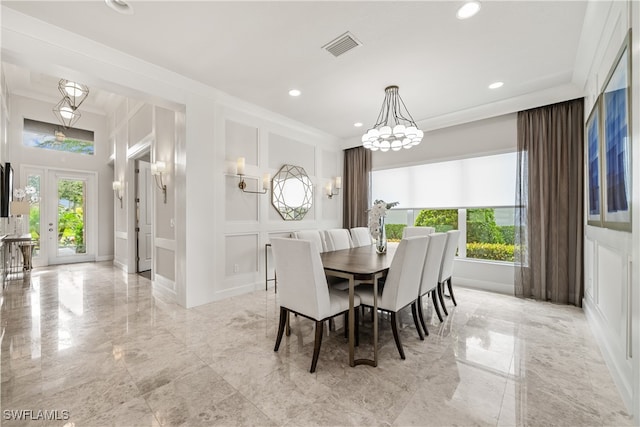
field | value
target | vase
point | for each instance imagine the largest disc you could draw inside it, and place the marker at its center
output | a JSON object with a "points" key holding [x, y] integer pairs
{"points": [[381, 240]]}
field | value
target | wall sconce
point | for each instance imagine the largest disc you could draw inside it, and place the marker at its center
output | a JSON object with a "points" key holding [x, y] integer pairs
{"points": [[333, 188], [242, 185], [118, 188], [157, 169]]}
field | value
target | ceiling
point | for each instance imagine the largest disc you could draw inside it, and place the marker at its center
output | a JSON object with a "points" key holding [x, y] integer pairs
{"points": [[258, 51]]}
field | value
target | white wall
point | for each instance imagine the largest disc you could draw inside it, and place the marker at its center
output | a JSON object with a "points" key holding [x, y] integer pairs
{"points": [[611, 257]]}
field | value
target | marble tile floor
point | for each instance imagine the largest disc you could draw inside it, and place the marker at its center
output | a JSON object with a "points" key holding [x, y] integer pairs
{"points": [[95, 345]]}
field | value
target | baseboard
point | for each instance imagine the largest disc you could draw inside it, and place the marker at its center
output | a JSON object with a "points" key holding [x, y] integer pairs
{"points": [[483, 285], [120, 265], [239, 290], [104, 258], [164, 288], [621, 376]]}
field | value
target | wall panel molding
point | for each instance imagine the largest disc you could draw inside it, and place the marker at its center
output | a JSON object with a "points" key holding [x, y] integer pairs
{"points": [[169, 244]]}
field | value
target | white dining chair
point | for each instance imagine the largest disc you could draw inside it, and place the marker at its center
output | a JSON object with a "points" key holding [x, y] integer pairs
{"points": [[417, 231], [303, 289], [361, 236], [431, 274], [315, 236], [337, 239], [401, 285], [446, 270]]}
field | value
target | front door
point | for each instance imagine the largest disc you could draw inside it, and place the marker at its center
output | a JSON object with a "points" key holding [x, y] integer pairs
{"points": [[70, 224]]}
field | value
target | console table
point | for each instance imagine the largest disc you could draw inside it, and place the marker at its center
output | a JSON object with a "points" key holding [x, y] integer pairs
{"points": [[18, 247]]}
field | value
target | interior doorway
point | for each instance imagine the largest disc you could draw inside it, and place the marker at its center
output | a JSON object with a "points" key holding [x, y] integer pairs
{"points": [[144, 216]]}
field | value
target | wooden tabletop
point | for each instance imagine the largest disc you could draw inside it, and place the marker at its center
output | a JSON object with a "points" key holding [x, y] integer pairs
{"points": [[363, 261]]}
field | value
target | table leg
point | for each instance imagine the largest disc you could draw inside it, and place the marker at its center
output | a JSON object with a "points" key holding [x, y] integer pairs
{"points": [[375, 321], [266, 268], [352, 323]]}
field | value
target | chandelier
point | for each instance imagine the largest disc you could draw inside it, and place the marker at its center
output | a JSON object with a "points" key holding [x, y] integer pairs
{"points": [[73, 94], [395, 129]]}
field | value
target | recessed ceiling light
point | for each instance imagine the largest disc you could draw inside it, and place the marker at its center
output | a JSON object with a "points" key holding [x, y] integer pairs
{"points": [[120, 6], [495, 85], [294, 92], [468, 9], [358, 124]]}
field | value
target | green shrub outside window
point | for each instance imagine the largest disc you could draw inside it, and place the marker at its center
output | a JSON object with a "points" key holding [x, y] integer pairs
{"points": [[490, 231]]}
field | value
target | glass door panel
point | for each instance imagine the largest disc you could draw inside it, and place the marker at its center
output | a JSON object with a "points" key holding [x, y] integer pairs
{"points": [[71, 218], [71, 214], [34, 184]]}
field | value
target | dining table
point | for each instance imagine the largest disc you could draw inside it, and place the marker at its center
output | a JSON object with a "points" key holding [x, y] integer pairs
{"points": [[362, 266]]}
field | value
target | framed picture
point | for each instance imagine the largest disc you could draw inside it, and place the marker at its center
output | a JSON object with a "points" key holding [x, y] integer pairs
{"points": [[616, 144], [593, 167]]}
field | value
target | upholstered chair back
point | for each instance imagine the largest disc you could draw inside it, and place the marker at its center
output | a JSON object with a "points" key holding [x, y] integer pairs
{"points": [[403, 280], [432, 262], [417, 231], [316, 236], [361, 237], [337, 239], [302, 284], [446, 271]]}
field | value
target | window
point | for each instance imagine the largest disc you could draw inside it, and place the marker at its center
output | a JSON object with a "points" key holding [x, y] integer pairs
{"points": [[53, 137], [475, 196]]}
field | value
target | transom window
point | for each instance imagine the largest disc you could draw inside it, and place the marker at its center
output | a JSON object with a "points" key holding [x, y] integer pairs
{"points": [[53, 137]]}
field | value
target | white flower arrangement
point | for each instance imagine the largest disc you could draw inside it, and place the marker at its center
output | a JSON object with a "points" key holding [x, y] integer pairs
{"points": [[378, 211], [19, 194]]}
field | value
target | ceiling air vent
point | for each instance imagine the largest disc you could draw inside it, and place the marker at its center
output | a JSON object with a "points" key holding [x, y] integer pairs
{"points": [[342, 44]]}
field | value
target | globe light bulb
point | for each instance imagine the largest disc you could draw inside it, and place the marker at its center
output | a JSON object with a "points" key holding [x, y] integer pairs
{"points": [[66, 112], [398, 131], [385, 132], [73, 89]]}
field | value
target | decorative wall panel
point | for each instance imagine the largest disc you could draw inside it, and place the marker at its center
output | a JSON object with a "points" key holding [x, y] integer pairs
{"points": [[283, 150], [589, 268], [241, 254], [241, 206], [611, 281], [329, 164], [165, 264], [241, 140]]}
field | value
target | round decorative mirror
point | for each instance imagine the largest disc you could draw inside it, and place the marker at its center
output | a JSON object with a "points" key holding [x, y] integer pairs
{"points": [[291, 192]]}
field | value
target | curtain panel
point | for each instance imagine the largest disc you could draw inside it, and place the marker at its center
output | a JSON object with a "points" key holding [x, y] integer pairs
{"points": [[550, 203], [356, 186]]}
